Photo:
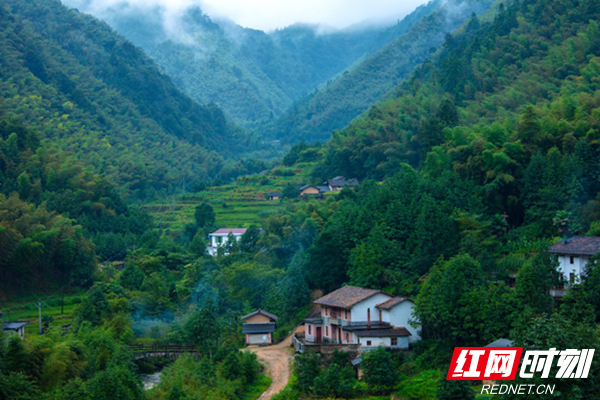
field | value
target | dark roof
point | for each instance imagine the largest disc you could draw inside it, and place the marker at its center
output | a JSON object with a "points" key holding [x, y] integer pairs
{"points": [[362, 326], [273, 194], [391, 303], [340, 181], [13, 325], [500, 343], [320, 188], [259, 311], [346, 296], [578, 245], [391, 332], [356, 361], [258, 328]]}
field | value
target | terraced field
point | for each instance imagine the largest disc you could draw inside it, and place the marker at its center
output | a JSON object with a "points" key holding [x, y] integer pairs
{"points": [[240, 204], [28, 311]]}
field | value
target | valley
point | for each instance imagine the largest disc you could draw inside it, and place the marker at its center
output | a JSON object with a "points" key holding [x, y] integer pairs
{"points": [[204, 196]]}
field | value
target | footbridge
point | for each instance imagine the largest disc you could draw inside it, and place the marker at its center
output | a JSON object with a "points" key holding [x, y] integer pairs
{"points": [[171, 351]]}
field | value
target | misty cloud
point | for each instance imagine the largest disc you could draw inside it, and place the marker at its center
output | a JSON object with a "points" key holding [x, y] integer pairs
{"points": [[267, 15]]}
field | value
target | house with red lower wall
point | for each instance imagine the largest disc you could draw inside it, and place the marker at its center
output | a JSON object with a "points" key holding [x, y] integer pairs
{"points": [[369, 317]]}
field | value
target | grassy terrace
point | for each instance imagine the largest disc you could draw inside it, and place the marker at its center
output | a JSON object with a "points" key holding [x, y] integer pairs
{"points": [[28, 311], [239, 204]]}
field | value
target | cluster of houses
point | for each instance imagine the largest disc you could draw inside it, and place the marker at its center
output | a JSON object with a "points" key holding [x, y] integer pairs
{"points": [[350, 315], [370, 318], [331, 185]]}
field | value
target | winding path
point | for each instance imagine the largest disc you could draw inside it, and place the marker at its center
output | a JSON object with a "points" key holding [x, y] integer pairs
{"points": [[277, 359]]}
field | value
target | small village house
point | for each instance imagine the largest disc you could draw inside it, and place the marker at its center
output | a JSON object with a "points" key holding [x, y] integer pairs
{"points": [[273, 196], [259, 327], [573, 255], [15, 327], [219, 238], [369, 317], [313, 191], [339, 182]]}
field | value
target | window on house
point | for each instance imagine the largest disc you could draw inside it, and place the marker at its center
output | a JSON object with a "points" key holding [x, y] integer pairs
{"points": [[347, 337], [219, 239], [326, 331], [368, 342], [309, 330], [346, 314], [572, 277], [572, 260], [394, 341]]}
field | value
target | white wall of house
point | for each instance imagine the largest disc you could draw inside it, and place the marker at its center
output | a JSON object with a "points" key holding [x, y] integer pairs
{"points": [[258, 338], [383, 341], [220, 240], [572, 264], [359, 311], [400, 315]]}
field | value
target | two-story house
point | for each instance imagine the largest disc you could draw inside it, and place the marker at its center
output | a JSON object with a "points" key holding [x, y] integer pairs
{"points": [[220, 237], [369, 317], [259, 327], [573, 255]]}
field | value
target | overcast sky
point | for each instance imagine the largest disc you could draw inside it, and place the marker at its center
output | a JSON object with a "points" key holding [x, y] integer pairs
{"points": [[272, 14]]}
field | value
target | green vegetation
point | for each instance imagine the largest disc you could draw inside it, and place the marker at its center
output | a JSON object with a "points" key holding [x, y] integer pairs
{"points": [[95, 95], [241, 203], [252, 75], [319, 113], [485, 157]]}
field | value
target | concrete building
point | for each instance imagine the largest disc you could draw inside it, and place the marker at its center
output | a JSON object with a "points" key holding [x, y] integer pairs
{"points": [[220, 238]]}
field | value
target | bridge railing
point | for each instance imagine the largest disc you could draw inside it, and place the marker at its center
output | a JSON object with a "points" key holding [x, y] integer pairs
{"points": [[164, 348]]}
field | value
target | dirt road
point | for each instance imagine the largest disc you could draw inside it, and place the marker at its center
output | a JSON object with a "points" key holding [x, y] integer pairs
{"points": [[277, 359]]}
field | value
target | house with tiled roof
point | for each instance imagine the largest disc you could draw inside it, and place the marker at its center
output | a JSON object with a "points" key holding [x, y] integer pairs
{"points": [[220, 238], [368, 317], [573, 255], [313, 191], [258, 327], [339, 182]]}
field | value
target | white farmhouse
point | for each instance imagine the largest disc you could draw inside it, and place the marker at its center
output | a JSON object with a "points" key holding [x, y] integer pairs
{"points": [[369, 317], [220, 237], [573, 255]]}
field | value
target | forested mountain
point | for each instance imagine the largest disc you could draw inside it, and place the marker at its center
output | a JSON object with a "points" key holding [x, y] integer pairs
{"points": [[91, 92], [254, 76], [485, 156], [496, 140], [316, 115]]}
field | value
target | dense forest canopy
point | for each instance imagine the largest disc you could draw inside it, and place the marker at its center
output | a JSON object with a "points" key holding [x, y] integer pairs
{"points": [[482, 158], [253, 75], [333, 106], [93, 93]]}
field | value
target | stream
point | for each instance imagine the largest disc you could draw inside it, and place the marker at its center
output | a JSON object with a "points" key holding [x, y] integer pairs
{"points": [[151, 379]]}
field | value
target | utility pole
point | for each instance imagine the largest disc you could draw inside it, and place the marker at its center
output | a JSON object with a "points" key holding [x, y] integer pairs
{"points": [[40, 313]]}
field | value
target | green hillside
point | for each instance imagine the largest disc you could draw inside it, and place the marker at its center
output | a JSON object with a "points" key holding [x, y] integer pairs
{"points": [[242, 203], [316, 115], [94, 94], [254, 76]]}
